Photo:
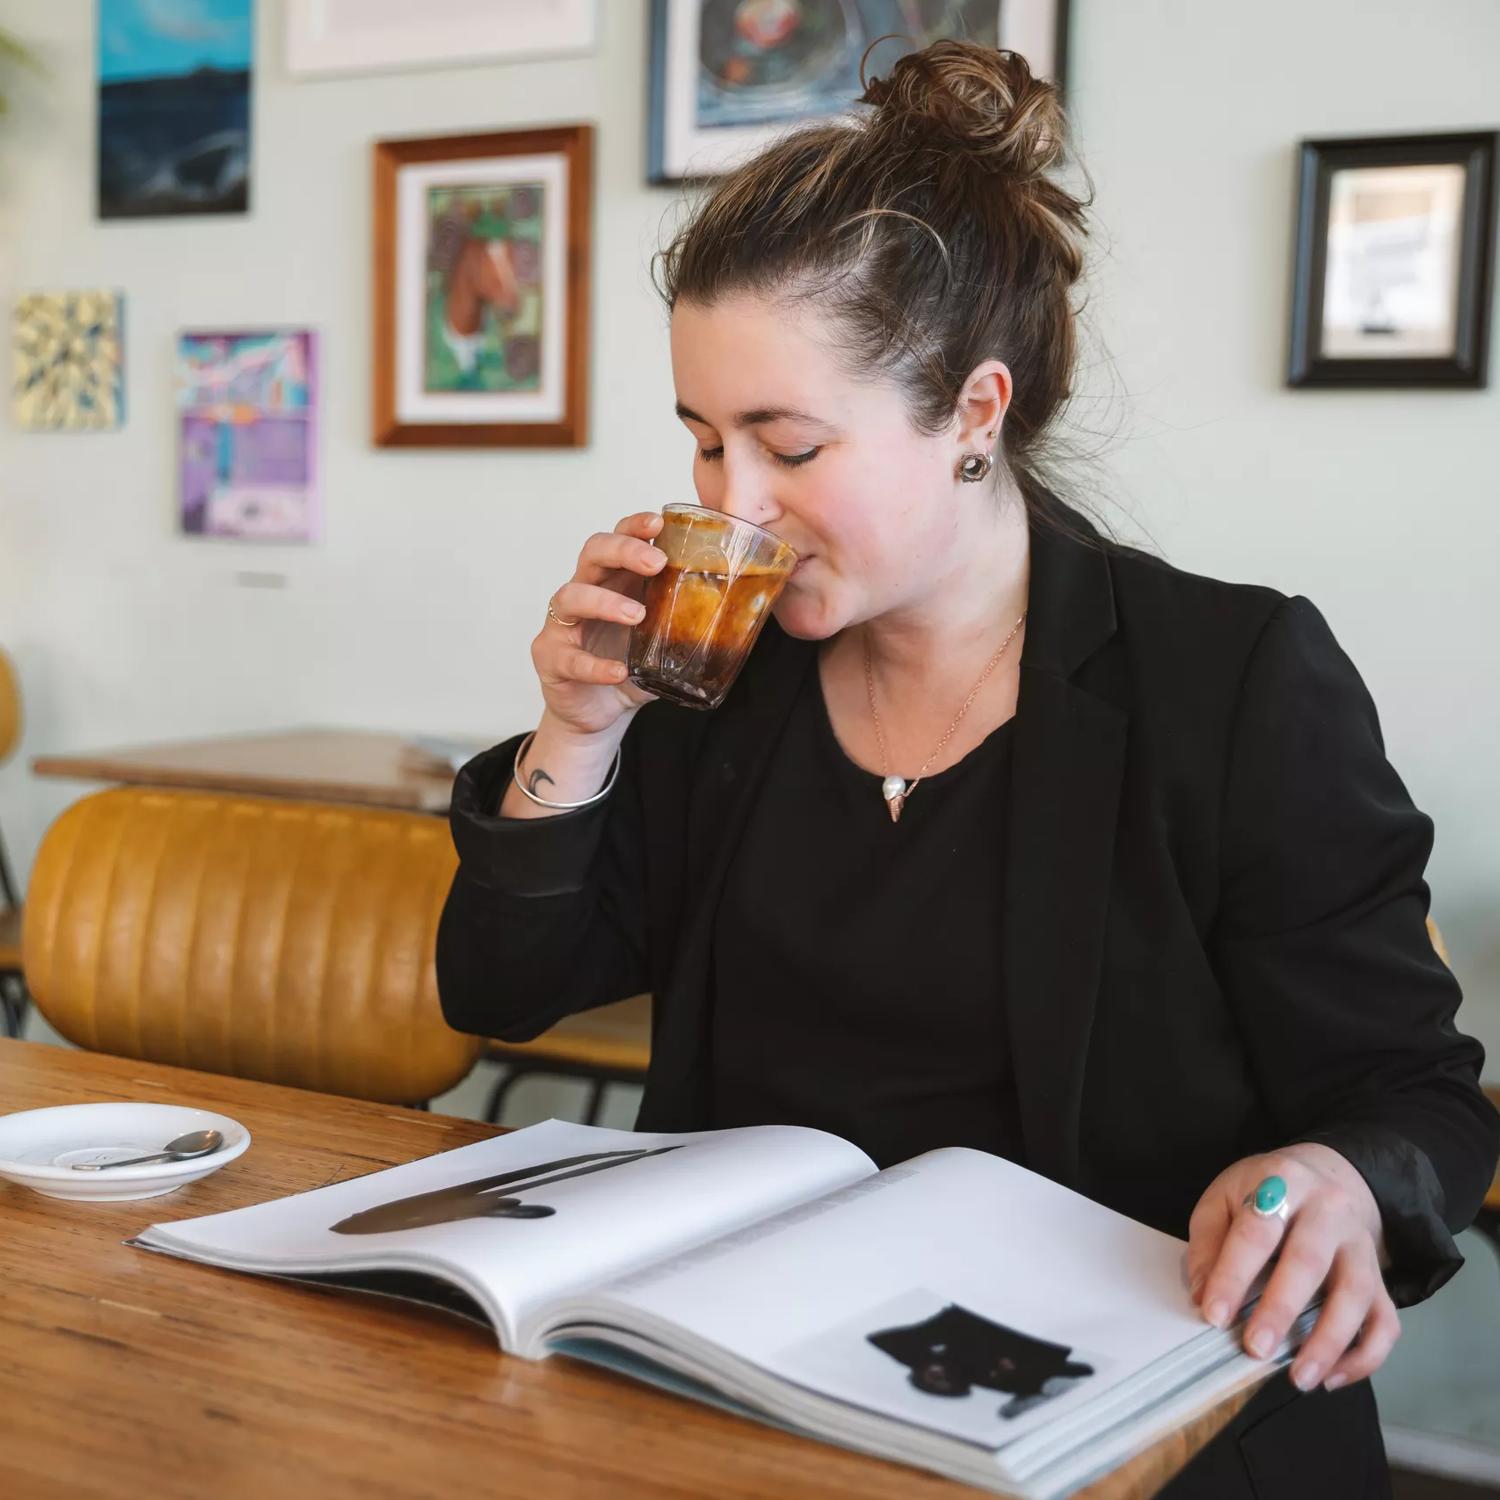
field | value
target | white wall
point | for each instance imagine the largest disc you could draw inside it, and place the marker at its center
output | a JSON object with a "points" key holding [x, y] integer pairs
{"points": [[415, 610]]}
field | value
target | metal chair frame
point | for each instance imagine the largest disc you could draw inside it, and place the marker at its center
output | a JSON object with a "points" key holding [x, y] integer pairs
{"points": [[14, 999], [517, 1068]]}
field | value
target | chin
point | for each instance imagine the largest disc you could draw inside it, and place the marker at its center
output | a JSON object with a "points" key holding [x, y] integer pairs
{"points": [[807, 616]]}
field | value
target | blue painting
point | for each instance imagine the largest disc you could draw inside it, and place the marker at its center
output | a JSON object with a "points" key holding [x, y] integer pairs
{"points": [[174, 107]]}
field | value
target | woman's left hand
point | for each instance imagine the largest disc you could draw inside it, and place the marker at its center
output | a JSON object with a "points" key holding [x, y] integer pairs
{"points": [[1331, 1241]]}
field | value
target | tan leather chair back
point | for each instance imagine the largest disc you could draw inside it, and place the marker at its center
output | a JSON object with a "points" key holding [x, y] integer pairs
{"points": [[10, 707], [1438, 945], [285, 941]]}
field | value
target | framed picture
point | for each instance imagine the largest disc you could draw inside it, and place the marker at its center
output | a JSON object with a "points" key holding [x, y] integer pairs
{"points": [[174, 107], [727, 75], [68, 358], [1394, 261], [482, 289], [247, 411], [326, 37]]}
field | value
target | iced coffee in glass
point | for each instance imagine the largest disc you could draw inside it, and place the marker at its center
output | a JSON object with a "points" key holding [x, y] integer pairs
{"points": [[707, 605]]}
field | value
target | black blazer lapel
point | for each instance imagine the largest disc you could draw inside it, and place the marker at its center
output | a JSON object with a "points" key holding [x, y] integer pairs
{"points": [[1068, 763], [733, 755]]}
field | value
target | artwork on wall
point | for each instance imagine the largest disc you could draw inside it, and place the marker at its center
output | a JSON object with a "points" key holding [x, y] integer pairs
{"points": [[247, 409], [68, 358], [1394, 260], [481, 288], [329, 37], [174, 107], [727, 75]]}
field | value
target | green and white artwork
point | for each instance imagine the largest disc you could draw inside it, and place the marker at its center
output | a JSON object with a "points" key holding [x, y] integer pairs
{"points": [[484, 287], [69, 361]]}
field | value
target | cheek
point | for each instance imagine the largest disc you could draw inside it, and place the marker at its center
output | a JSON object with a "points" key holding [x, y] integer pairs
{"points": [[880, 514]]}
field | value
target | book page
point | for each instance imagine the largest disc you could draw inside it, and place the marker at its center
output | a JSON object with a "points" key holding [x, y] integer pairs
{"points": [[957, 1292], [531, 1215]]}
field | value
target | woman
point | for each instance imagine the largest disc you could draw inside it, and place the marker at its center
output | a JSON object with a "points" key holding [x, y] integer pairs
{"points": [[1007, 837]]}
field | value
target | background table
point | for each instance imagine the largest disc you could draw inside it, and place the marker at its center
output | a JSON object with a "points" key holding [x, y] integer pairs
{"points": [[128, 1373], [330, 765]]}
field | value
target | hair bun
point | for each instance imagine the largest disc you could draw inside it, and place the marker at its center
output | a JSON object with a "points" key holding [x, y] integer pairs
{"points": [[981, 100]]}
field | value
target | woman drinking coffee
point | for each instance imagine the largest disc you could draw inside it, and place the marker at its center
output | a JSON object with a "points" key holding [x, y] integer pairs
{"points": [[1007, 836]]}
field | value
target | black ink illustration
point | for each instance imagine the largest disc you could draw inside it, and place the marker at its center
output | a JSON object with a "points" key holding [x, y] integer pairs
{"points": [[486, 1197], [955, 1350]]}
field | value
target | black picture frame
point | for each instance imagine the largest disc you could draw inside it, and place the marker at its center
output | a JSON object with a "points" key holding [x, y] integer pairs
{"points": [[1310, 363], [664, 169]]}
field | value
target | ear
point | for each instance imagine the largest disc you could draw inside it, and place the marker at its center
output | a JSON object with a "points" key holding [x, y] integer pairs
{"points": [[982, 405]]}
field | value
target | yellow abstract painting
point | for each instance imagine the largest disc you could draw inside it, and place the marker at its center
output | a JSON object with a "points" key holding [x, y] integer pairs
{"points": [[69, 361]]}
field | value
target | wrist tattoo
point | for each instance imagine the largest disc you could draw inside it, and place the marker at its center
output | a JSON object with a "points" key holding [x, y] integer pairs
{"points": [[536, 778]]}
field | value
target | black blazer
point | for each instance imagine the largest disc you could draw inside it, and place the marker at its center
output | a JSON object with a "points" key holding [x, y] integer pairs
{"points": [[1214, 922]]}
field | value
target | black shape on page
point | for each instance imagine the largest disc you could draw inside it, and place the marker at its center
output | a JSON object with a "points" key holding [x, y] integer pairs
{"points": [[485, 1198], [955, 1350]]}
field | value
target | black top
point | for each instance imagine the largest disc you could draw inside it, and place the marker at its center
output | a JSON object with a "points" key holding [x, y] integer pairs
{"points": [[856, 967]]}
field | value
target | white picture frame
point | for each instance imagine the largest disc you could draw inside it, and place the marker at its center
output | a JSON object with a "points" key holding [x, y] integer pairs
{"points": [[330, 38]]}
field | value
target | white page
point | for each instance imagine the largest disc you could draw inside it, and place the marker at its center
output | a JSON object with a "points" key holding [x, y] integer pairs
{"points": [[604, 1221], [800, 1296]]}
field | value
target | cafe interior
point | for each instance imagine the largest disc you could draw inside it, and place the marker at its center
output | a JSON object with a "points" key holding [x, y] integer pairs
{"points": [[332, 334]]}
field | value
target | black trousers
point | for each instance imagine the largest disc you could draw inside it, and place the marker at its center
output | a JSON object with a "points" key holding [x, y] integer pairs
{"points": [[1288, 1446]]}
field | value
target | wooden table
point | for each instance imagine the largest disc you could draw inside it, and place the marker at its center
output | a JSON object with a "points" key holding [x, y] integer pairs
{"points": [[327, 765], [126, 1373]]}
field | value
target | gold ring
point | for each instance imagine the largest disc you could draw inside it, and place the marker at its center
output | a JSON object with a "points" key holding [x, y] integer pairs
{"points": [[569, 624]]}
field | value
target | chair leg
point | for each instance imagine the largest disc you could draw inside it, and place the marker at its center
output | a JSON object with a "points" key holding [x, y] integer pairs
{"points": [[7, 880], [14, 1002], [596, 1101], [513, 1074]]}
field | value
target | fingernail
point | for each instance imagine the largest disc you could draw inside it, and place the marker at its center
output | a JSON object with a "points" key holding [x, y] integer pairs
{"points": [[1259, 1343], [1305, 1377], [636, 612], [1217, 1313], [1334, 1382]]}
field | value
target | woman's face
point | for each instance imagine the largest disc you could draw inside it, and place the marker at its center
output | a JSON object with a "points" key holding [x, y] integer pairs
{"points": [[785, 438]]}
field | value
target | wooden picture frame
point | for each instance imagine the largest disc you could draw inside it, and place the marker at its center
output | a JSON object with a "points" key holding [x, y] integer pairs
{"points": [[699, 124], [482, 248], [1394, 261]]}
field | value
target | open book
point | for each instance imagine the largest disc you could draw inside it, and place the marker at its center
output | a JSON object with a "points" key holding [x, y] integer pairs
{"points": [[956, 1312]]}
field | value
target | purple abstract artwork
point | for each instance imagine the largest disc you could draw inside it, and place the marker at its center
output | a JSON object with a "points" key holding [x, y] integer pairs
{"points": [[248, 409]]}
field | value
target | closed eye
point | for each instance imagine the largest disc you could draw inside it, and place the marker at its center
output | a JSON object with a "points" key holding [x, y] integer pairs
{"points": [[786, 460]]}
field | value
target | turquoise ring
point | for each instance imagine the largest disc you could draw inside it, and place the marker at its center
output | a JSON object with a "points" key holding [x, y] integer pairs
{"points": [[1269, 1198]]}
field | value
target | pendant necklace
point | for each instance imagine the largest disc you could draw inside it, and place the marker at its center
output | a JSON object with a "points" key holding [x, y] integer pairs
{"points": [[896, 789]]}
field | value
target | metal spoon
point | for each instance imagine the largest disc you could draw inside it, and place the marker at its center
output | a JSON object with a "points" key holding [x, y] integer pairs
{"points": [[194, 1143]]}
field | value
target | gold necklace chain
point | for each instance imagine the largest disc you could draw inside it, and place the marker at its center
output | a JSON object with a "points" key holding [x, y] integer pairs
{"points": [[896, 789]]}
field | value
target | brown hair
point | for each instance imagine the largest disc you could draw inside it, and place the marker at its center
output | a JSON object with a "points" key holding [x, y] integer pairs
{"points": [[928, 228]]}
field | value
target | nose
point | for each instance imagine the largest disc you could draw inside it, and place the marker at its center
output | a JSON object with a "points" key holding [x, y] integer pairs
{"points": [[747, 491]]}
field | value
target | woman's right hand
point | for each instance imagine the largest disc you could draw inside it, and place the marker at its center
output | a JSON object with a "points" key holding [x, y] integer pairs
{"points": [[584, 682]]}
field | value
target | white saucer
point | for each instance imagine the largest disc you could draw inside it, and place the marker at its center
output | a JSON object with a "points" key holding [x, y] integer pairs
{"points": [[38, 1146]]}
